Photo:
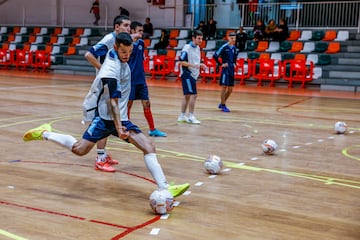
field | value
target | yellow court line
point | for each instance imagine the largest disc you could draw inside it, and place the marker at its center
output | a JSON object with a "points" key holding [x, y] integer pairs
{"points": [[10, 235], [324, 179], [345, 152], [54, 119]]}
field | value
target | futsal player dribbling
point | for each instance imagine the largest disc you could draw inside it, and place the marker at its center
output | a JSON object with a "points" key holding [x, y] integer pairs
{"points": [[111, 115], [95, 56]]}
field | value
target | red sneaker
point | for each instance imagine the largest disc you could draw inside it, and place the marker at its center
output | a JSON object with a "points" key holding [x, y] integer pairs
{"points": [[104, 166], [111, 161]]}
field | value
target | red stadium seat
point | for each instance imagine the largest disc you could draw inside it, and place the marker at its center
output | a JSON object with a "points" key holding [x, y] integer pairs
{"points": [[262, 46], [330, 35], [22, 59], [296, 47], [242, 70], [265, 70], [210, 71], [41, 61], [5, 60], [294, 35], [334, 47], [160, 66], [298, 71]]}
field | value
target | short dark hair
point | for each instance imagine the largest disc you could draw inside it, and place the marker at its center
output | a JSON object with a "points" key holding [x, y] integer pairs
{"points": [[119, 19], [135, 24], [123, 38], [197, 33]]}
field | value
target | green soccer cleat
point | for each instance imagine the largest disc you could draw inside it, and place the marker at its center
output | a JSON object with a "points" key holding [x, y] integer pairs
{"points": [[177, 190], [36, 133]]}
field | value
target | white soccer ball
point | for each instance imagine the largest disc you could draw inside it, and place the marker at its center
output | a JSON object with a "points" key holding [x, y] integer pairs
{"points": [[213, 164], [340, 127], [161, 201], [269, 146]]}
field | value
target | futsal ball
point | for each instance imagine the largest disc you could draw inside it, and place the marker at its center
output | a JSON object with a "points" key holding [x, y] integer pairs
{"points": [[340, 127], [269, 146], [213, 164], [161, 201]]}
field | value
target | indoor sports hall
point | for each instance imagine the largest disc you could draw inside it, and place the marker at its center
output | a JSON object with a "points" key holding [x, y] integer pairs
{"points": [[308, 188]]}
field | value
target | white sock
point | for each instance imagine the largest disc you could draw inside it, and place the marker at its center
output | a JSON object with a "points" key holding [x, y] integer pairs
{"points": [[156, 171], [190, 115], [62, 139], [101, 153], [182, 114]]}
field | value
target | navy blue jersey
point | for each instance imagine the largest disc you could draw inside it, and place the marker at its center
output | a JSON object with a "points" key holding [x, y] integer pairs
{"points": [[228, 55], [136, 63]]}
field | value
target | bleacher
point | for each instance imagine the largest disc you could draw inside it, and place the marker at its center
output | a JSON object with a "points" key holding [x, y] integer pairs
{"points": [[324, 57], [307, 57], [39, 48]]}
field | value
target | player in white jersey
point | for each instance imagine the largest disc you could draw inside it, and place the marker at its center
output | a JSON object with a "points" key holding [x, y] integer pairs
{"points": [[190, 60], [95, 56], [114, 82]]}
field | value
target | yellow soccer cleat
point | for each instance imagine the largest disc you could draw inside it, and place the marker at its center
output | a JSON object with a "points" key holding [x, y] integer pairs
{"points": [[177, 190], [36, 133]]}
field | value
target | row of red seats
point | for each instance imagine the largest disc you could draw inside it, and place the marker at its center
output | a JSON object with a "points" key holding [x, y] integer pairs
{"points": [[263, 69], [22, 60]]}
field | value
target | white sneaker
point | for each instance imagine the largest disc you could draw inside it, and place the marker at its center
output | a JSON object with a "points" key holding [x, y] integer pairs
{"points": [[193, 120], [183, 119]]}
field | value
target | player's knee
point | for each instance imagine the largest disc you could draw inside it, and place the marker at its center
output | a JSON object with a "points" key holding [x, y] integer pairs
{"points": [[80, 151], [149, 147]]}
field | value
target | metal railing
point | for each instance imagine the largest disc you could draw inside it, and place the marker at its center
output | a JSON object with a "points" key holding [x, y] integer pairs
{"points": [[306, 14], [299, 15]]}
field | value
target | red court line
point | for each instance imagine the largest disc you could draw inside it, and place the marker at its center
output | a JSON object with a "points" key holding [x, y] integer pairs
{"points": [[127, 231], [130, 230], [81, 165]]}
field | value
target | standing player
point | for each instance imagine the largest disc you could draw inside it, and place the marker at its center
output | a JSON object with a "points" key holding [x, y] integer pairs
{"points": [[139, 88], [190, 69], [228, 55], [97, 53], [114, 82], [95, 57]]}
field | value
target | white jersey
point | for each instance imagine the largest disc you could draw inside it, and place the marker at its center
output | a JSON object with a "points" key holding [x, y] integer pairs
{"points": [[98, 97], [191, 54]]}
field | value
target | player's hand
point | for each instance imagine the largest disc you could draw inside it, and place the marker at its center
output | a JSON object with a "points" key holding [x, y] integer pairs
{"points": [[203, 66], [224, 65], [123, 133]]}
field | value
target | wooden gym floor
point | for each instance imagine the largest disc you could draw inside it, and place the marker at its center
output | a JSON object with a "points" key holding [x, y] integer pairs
{"points": [[310, 189]]}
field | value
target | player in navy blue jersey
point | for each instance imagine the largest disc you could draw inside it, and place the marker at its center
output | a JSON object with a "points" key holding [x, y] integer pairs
{"points": [[228, 55], [139, 88]]}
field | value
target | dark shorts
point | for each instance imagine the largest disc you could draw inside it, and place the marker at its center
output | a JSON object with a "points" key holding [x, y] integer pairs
{"points": [[226, 80], [139, 92], [188, 84], [100, 128]]}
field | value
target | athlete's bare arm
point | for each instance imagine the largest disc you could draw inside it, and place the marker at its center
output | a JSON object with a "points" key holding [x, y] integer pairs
{"points": [[92, 60]]}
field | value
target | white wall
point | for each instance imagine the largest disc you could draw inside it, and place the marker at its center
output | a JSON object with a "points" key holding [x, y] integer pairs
{"points": [[76, 12], [227, 14]]}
